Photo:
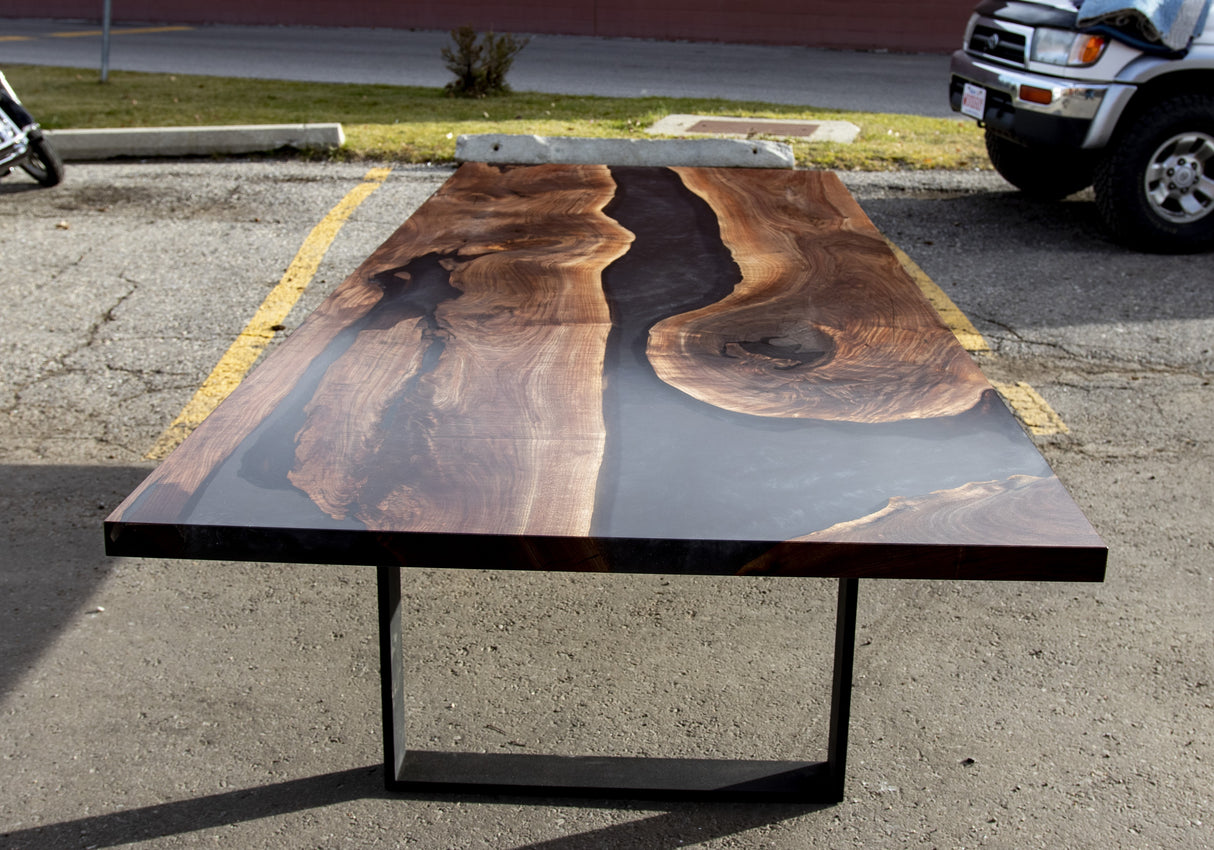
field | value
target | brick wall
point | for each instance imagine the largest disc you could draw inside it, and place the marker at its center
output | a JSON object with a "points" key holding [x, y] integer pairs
{"points": [[901, 25]]}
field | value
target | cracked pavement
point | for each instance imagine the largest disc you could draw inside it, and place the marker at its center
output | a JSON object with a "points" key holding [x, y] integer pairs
{"points": [[161, 704]]}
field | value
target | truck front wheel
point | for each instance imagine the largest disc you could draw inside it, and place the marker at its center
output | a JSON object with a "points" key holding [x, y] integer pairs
{"points": [[1155, 186], [1044, 173]]}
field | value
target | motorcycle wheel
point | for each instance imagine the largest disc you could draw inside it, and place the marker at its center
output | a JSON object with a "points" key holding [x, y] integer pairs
{"points": [[43, 164]]}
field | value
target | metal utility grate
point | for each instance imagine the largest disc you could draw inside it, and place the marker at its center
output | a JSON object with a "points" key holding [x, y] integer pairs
{"points": [[742, 127]]}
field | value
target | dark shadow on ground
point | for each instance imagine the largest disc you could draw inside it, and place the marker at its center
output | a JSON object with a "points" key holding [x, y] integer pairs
{"points": [[53, 562], [14, 184], [53, 556], [152, 822], [674, 825], [688, 825]]}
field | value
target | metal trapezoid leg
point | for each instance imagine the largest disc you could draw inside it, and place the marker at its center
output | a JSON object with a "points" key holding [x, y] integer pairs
{"points": [[391, 673], [840, 699], [610, 776]]}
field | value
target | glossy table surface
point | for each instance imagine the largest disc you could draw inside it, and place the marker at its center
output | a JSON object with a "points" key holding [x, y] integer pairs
{"points": [[636, 369]]}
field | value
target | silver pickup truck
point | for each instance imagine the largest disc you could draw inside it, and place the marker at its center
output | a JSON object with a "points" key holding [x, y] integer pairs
{"points": [[1069, 99]]}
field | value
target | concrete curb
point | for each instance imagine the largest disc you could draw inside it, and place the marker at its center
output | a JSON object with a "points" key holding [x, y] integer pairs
{"points": [[535, 150], [191, 141]]}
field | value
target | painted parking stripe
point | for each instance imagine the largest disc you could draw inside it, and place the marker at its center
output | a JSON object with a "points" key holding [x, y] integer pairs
{"points": [[957, 322], [1033, 411], [128, 31], [267, 321]]}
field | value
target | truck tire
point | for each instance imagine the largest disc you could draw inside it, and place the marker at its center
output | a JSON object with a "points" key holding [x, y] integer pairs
{"points": [[1155, 185], [1043, 173]]}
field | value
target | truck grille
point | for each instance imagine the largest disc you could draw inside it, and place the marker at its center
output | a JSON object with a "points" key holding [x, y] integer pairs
{"points": [[998, 43]]}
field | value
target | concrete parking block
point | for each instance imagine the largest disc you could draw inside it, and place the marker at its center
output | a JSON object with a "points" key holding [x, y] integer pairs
{"points": [[108, 143], [534, 150]]}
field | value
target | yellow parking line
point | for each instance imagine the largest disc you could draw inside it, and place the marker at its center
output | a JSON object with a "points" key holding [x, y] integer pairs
{"points": [[958, 322], [1033, 411], [131, 31], [16, 38], [257, 334]]}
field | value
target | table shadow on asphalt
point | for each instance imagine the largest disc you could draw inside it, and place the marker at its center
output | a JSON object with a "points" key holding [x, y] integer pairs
{"points": [[55, 562], [675, 825], [54, 555]]}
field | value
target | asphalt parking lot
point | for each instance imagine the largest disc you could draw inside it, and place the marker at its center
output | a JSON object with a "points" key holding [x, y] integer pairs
{"points": [[180, 704]]}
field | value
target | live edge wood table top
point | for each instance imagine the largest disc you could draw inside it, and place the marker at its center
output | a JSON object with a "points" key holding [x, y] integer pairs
{"points": [[666, 370], [671, 370]]}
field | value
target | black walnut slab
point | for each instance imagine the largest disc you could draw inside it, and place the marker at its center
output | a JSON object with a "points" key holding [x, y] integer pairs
{"points": [[719, 371]]}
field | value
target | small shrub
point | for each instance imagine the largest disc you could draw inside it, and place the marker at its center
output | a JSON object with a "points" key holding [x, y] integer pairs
{"points": [[480, 63]]}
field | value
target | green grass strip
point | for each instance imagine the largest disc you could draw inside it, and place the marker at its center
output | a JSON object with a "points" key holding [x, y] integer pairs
{"points": [[413, 124]]}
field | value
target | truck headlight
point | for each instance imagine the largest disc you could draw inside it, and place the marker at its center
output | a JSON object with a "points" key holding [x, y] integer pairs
{"points": [[1064, 47]]}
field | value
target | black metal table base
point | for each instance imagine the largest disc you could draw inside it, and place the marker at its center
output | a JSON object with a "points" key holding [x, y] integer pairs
{"points": [[421, 771]]}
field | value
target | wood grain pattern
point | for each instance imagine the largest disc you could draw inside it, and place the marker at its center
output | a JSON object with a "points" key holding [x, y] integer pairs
{"points": [[823, 323], [388, 407], [992, 515], [410, 416], [650, 370]]}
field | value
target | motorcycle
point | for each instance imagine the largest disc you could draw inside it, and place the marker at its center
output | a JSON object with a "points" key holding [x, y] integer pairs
{"points": [[22, 144]]}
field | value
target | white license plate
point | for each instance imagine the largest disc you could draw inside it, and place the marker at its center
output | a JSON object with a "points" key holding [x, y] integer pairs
{"points": [[973, 101]]}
